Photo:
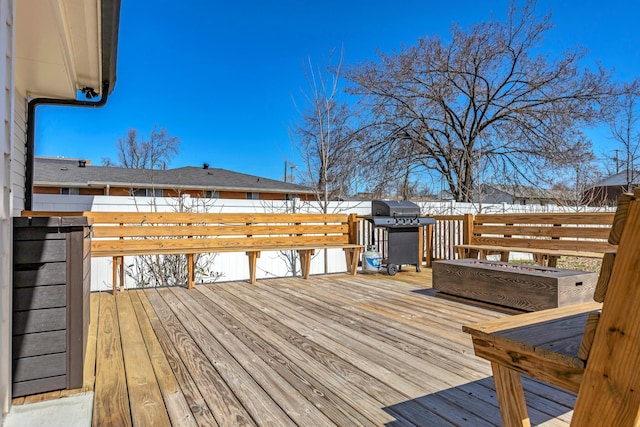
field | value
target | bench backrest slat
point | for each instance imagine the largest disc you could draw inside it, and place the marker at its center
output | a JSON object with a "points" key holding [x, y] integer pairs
{"points": [[116, 230], [533, 230], [579, 232], [210, 218], [208, 244], [604, 218], [567, 245]]}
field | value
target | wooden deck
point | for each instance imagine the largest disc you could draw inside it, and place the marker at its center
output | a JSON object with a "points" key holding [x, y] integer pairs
{"points": [[331, 350]]}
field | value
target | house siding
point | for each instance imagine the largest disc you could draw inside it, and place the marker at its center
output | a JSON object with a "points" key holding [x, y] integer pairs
{"points": [[195, 193], [7, 113], [18, 160]]}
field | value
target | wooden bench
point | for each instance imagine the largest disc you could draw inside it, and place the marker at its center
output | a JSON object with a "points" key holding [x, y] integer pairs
{"points": [[547, 236], [591, 349], [120, 234]]}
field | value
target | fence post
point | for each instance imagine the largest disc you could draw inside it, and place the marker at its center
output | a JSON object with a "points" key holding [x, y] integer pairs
{"points": [[467, 229], [429, 257]]}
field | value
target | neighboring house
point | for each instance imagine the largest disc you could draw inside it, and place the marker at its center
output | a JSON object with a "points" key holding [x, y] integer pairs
{"points": [[68, 176], [607, 191], [50, 51], [515, 195]]}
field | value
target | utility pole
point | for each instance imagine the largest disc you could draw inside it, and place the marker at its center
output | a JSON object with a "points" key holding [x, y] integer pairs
{"points": [[617, 161], [285, 170], [292, 167]]}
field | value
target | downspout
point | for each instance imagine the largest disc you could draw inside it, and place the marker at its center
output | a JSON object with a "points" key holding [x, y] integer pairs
{"points": [[31, 130]]}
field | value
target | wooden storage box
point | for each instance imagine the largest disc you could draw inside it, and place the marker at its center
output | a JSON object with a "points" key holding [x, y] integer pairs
{"points": [[524, 287], [51, 285]]}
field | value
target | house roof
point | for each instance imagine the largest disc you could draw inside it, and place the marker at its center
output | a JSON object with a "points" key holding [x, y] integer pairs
{"points": [[618, 180], [68, 173], [520, 191]]}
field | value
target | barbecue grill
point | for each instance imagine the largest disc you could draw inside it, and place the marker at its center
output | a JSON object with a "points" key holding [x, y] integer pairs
{"points": [[402, 221]]}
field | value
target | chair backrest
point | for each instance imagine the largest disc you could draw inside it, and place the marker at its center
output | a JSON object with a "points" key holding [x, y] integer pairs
{"points": [[610, 390]]}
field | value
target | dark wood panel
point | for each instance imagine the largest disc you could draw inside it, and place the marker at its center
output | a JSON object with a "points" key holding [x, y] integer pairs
{"points": [[40, 233], [25, 388], [33, 252], [39, 343], [48, 319], [42, 274], [31, 368], [39, 297]]}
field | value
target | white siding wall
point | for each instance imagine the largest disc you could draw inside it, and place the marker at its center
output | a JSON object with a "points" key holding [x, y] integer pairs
{"points": [[18, 160], [6, 131]]}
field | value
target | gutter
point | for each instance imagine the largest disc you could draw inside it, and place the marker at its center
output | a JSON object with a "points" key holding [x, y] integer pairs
{"points": [[110, 20]]}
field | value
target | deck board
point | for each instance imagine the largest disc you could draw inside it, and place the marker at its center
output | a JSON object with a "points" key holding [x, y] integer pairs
{"points": [[199, 408], [369, 350], [111, 401]]}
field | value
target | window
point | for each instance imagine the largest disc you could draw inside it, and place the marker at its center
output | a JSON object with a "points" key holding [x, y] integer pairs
{"points": [[70, 190], [253, 196], [212, 194], [147, 192]]}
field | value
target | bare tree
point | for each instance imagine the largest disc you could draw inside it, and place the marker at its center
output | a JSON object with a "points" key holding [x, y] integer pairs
{"points": [[324, 134], [485, 97], [625, 130], [153, 153]]}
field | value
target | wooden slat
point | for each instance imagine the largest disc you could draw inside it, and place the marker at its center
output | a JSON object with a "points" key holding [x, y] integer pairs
{"points": [[572, 245], [207, 218], [111, 383], [485, 329], [604, 218], [589, 334], [510, 393], [606, 269], [534, 230], [113, 248], [620, 218], [542, 251], [147, 405], [100, 231]]}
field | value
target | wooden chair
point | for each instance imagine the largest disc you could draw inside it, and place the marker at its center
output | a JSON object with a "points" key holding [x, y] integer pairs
{"points": [[592, 349]]}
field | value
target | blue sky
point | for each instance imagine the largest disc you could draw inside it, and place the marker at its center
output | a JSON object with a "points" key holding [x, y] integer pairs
{"points": [[221, 75]]}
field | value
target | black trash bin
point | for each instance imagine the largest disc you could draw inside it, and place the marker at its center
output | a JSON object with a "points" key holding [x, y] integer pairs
{"points": [[51, 286]]}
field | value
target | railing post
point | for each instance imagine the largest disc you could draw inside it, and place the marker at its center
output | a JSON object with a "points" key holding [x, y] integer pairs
{"points": [[429, 254], [353, 228], [467, 229]]}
